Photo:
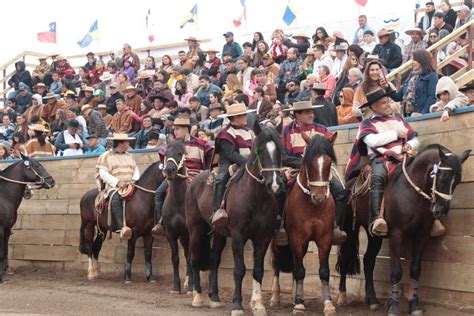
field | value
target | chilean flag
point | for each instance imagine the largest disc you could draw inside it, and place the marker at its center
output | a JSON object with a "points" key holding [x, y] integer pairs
{"points": [[361, 2], [50, 36]]}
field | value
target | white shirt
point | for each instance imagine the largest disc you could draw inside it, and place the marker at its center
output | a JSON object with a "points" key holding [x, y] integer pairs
{"points": [[380, 139], [325, 60], [338, 65], [112, 181]]}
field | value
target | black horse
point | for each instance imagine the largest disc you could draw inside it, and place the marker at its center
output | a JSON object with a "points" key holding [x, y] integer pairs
{"points": [[14, 180], [436, 172]]}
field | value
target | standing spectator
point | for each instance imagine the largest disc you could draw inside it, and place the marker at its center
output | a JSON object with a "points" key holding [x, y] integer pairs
{"points": [[328, 80], [95, 123], [127, 52], [293, 94], [418, 92], [132, 99], [102, 109], [23, 99], [325, 112], [40, 71], [369, 42], [464, 16], [93, 146], [38, 146], [231, 46], [321, 58], [70, 141], [205, 89], [277, 49], [344, 110], [7, 129], [20, 75], [468, 90], [339, 61], [122, 120], [289, 71], [427, 19], [450, 15], [302, 44], [389, 53], [360, 32], [90, 64], [449, 98], [416, 43]]}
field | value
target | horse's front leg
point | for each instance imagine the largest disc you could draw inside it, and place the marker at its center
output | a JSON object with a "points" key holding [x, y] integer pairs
{"points": [[239, 273], [130, 255], [147, 250], [299, 249], [324, 248], [395, 243], [188, 281], [218, 244], [418, 246], [260, 246], [173, 241]]}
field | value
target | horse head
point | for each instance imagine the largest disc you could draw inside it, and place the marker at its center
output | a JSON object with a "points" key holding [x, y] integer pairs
{"points": [[446, 175], [175, 156], [35, 173], [267, 156], [316, 168]]}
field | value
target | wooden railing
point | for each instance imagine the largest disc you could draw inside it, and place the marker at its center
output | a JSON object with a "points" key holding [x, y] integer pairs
{"points": [[468, 28]]}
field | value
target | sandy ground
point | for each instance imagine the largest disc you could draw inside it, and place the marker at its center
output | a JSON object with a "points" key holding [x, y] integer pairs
{"points": [[38, 291]]}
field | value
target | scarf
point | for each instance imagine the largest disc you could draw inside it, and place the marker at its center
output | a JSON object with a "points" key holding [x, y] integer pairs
{"points": [[409, 95]]}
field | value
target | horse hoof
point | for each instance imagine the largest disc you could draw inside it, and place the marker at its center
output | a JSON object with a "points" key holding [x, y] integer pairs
{"points": [[198, 301], [274, 302], [213, 304], [237, 312], [374, 307], [186, 282], [341, 298], [329, 309], [298, 309]]}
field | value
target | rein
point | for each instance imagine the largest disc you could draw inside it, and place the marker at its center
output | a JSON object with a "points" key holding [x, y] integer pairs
{"points": [[434, 192], [37, 184], [307, 190], [256, 161], [144, 189], [179, 166]]}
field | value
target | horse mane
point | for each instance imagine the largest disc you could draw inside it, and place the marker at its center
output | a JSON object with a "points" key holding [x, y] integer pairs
{"points": [[177, 145], [148, 170], [9, 168], [319, 145]]}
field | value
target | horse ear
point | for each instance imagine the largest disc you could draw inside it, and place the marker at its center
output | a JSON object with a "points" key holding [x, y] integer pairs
{"points": [[332, 140], [256, 127], [464, 156], [442, 155]]}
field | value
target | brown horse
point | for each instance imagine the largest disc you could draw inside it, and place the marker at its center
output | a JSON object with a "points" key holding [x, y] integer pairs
{"points": [[139, 217], [309, 216], [414, 198], [252, 210], [174, 220], [14, 181]]}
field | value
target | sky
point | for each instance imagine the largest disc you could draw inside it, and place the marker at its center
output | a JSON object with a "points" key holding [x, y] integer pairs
{"points": [[124, 22]]}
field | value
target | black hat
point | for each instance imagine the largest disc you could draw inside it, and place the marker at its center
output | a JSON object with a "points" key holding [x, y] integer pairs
{"points": [[469, 86], [92, 136], [73, 124], [374, 96]]}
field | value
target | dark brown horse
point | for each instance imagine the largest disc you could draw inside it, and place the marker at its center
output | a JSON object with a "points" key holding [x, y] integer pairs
{"points": [[174, 220], [252, 210], [14, 181], [139, 217], [409, 214], [309, 216]]}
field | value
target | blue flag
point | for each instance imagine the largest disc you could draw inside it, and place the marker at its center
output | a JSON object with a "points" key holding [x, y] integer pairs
{"points": [[90, 36], [289, 16], [191, 17]]}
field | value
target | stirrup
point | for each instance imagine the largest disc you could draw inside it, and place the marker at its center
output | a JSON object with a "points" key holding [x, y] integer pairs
{"points": [[219, 218], [437, 229], [125, 233], [378, 228]]}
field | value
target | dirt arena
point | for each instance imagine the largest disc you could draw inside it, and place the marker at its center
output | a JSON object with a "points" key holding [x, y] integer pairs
{"points": [[38, 291]]}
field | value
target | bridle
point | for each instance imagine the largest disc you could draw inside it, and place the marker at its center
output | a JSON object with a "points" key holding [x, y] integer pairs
{"points": [[434, 175], [260, 178], [307, 189], [37, 184], [179, 166]]}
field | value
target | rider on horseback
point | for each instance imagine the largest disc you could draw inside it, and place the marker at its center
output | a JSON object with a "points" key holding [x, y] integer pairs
{"points": [[118, 170], [233, 145], [198, 156], [384, 138], [295, 138]]}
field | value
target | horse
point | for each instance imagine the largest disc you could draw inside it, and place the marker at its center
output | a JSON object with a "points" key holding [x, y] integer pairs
{"points": [[174, 220], [418, 192], [14, 180], [252, 209], [139, 216]]}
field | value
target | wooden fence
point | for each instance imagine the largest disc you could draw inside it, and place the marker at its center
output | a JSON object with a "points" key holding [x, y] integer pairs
{"points": [[47, 231]]}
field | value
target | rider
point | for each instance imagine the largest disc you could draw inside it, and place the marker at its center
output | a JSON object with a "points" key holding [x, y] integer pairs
{"points": [[384, 138], [295, 138], [118, 170], [198, 157], [233, 145]]}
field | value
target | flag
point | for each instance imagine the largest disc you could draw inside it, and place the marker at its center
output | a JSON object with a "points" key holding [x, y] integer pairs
{"points": [[50, 36], [93, 34], [238, 22], [392, 24], [191, 17], [288, 16], [361, 2], [149, 27]]}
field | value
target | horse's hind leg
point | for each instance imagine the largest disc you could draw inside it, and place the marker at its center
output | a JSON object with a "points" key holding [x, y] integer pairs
{"points": [[260, 246], [173, 241], [395, 271], [218, 244], [419, 244], [99, 239], [239, 273], [147, 250], [188, 282], [3, 277], [130, 255], [370, 257], [5, 248]]}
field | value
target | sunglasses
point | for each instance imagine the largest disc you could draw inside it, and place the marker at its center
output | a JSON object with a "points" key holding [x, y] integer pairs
{"points": [[433, 36], [341, 96]]}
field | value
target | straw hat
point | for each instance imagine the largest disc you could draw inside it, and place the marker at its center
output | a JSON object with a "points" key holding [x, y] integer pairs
{"points": [[412, 30], [49, 95], [211, 50], [70, 93], [146, 74], [192, 38], [120, 136], [382, 32], [87, 107], [302, 105], [128, 88], [106, 76], [40, 85], [300, 35], [215, 106], [88, 89], [237, 109], [467, 87], [102, 106], [38, 127], [373, 97]]}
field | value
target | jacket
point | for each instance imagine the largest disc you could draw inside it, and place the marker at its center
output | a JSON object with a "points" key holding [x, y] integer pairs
{"points": [[457, 99], [96, 124], [234, 48], [326, 115], [21, 75], [134, 102], [183, 100], [425, 92], [265, 107], [344, 111], [110, 102], [390, 53], [122, 122]]}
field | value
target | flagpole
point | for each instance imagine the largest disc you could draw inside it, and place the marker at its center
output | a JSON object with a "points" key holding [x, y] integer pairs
{"points": [[197, 19]]}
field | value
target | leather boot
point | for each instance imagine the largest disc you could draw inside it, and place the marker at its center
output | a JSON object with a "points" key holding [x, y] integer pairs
{"points": [[339, 236], [117, 218], [158, 230], [219, 215], [377, 226]]}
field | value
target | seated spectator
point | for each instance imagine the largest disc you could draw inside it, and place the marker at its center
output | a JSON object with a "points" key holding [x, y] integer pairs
{"points": [[18, 141], [174, 77], [102, 109], [59, 123], [20, 75], [38, 146], [227, 67], [261, 103], [41, 89], [40, 71], [464, 16], [468, 90], [215, 122], [205, 89], [293, 92], [232, 84], [128, 70], [5, 152], [23, 98], [245, 71], [93, 145], [48, 111], [57, 85], [7, 129], [21, 125], [307, 88], [418, 91], [306, 67], [351, 62], [389, 53], [369, 41], [328, 80], [182, 95], [159, 109], [267, 85], [114, 95], [248, 52], [339, 61], [96, 73], [155, 140], [211, 66], [105, 82], [278, 50], [122, 120], [88, 96], [192, 80], [98, 97], [354, 78], [160, 88], [198, 111], [344, 110], [249, 86], [260, 50], [70, 141], [302, 44], [141, 139], [123, 82], [450, 15], [91, 62], [127, 53], [132, 99], [207, 136], [289, 71], [75, 114], [70, 99], [449, 98], [64, 69], [271, 69], [416, 43], [440, 24], [95, 123], [166, 64], [326, 113]]}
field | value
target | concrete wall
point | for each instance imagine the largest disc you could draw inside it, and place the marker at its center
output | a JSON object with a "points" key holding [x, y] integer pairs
{"points": [[47, 231]]}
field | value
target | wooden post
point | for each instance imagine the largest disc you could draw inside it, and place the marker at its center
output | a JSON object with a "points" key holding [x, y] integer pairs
{"points": [[434, 58], [469, 44]]}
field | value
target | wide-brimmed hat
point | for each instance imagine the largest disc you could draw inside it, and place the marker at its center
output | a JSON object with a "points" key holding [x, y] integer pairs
{"points": [[38, 127], [49, 95], [182, 120], [300, 35], [237, 109], [88, 89], [341, 47], [146, 74], [40, 85], [374, 96], [215, 106], [106, 76], [211, 50], [102, 106], [415, 30], [192, 38], [467, 87], [302, 106], [70, 94], [87, 107], [130, 87], [383, 32], [319, 87], [43, 57], [120, 136]]}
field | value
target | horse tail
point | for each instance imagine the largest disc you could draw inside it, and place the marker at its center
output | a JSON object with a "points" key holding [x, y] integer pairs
{"points": [[348, 256], [82, 243], [282, 258], [86, 205]]}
